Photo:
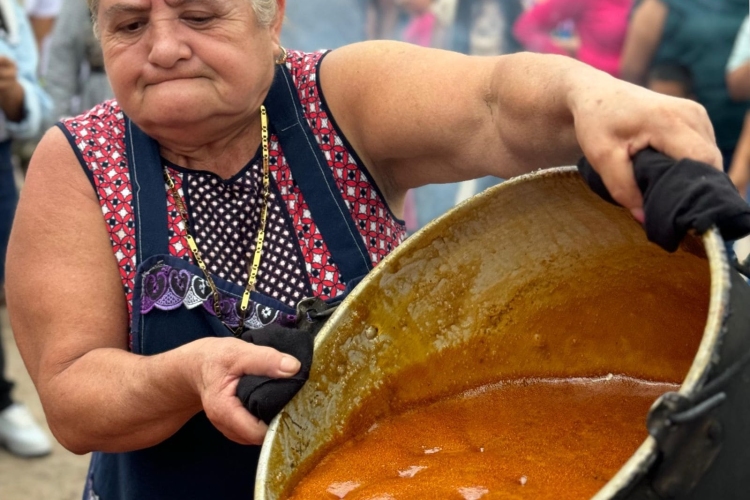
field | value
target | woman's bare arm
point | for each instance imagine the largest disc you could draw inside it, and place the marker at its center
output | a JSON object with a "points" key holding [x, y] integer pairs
{"points": [[69, 316], [419, 116]]}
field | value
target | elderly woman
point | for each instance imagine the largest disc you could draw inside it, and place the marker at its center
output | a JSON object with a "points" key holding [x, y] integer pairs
{"points": [[229, 180]]}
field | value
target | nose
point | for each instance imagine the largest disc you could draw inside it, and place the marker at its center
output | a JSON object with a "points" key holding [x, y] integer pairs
{"points": [[167, 47]]}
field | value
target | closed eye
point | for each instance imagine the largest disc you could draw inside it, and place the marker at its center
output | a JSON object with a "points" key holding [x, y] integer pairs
{"points": [[199, 20], [131, 27]]}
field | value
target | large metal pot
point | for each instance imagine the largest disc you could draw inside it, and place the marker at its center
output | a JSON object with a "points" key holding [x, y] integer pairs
{"points": [[536, 277]]}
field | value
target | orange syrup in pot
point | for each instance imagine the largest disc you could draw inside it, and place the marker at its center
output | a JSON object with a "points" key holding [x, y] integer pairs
{"points": [[547, 439]]}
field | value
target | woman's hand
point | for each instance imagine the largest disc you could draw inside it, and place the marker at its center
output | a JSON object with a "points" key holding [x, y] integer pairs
{"points": [[221, 362], [614, 120]]}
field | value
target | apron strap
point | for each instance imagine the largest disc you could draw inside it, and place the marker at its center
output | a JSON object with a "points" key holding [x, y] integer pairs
{"points": [[149, 193], [313, 176]]}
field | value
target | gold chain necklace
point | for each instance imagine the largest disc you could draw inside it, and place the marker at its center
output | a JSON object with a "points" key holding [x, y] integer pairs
{"points": [[255, 266]]}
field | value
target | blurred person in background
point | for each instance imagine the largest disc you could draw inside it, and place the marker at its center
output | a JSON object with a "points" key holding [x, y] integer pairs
{"points": [[429, 22], [75, 77], [738, 83], [428, 25], [423, 26], [671, 79], [312, 25], [23, 106], [738, 66], [382, 19], [599, 25], [485, 27], [696, 34], [42, 15]]}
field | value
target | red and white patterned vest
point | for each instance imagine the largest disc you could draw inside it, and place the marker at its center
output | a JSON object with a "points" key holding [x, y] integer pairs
{"points": [[98, 140]]}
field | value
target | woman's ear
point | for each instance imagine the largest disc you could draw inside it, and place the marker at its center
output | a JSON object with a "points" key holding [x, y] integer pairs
{"points": [[278, 21]]}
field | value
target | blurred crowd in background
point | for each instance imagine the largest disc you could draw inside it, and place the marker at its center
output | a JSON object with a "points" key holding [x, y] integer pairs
{"points": [[687, 48], [692, 49]]}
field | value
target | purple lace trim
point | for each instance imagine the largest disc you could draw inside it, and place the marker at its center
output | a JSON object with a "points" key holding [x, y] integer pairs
{"points": [[167, 288]]}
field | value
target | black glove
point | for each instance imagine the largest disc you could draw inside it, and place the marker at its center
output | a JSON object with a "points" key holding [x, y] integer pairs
{"points": [[679, 196], [264, 397]]}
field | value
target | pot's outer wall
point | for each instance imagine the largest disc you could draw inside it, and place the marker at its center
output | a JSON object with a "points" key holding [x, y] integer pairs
{"points": [[537, 277], [728, 477]]}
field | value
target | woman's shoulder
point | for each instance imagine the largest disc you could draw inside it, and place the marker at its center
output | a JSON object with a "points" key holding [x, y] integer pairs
{"points": [[97, 136], [103, 126], [303, 65]]}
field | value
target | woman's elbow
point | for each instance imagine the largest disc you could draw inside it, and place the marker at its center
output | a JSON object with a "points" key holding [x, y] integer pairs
{"points": [[73, 443], [64, 426], [75, 446]]}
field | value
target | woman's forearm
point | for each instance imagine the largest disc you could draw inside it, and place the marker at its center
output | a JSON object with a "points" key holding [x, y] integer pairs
{"points": [[533, 100], [114, 401]]}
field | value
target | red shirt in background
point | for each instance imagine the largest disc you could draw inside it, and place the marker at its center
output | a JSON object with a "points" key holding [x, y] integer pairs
{"points": [[601, 26]]}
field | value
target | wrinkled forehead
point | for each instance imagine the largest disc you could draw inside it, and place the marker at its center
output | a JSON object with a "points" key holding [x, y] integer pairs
{"points": [[109, 6]]}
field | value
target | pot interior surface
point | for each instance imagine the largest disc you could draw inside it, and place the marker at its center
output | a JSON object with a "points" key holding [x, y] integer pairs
{"points": [[536, 278]]}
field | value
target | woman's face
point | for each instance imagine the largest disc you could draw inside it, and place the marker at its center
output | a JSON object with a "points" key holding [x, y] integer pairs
{"points": [[177, 63]]}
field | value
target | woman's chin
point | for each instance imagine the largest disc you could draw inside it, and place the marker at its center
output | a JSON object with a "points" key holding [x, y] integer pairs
{"points": [[170, 104], [174, 113], [171, 118], [187, 104]]}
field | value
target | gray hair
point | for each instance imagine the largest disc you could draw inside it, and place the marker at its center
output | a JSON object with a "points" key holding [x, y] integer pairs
{"points": [[265, 11]]}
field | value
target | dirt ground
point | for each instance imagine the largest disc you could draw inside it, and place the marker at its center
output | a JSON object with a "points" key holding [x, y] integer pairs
{"points": [[59, 476]]}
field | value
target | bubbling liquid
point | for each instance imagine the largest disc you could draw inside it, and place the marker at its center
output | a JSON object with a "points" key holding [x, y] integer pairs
{"points": [[533, 439]]}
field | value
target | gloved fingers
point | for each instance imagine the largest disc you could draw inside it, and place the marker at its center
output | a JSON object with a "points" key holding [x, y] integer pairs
{"points": [[264, 397]]}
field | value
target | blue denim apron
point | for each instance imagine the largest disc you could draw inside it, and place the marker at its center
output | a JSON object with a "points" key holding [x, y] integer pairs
{"points": [[198, 462]]}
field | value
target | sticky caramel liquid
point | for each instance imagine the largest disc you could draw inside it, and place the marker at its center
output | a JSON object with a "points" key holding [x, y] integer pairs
{"points": [[534, 439]]}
